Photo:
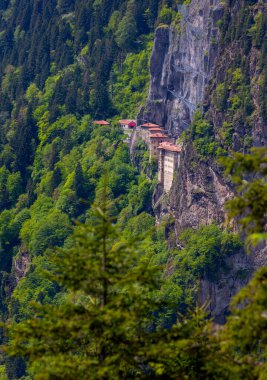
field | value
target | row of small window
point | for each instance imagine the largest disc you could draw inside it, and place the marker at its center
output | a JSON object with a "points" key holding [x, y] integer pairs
{"points": [[167, 159], [166, 167]]}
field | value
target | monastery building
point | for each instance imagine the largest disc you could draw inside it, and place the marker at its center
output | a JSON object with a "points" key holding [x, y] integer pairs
{"points": [[155, 139], [161, 147], [169, 162], [128, 127], [101, 122]]}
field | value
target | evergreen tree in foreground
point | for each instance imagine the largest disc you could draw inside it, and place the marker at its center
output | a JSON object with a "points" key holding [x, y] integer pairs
{"points": [[101, 330]]}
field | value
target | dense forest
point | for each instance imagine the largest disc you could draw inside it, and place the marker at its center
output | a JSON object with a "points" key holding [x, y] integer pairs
{"points": [[90, 286]]}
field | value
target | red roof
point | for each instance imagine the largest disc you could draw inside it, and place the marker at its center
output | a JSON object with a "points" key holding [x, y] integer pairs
{"points": [[149, 125], [155, 129], [101, 122], [170, 147], [127, 122], [158, 136]]}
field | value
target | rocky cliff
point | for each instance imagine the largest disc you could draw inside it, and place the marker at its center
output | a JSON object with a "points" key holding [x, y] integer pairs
{"points": [[182, 63], [187, 65]]}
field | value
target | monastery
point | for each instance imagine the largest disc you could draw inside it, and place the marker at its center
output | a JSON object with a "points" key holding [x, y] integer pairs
{"points": [[161, 147], [128, 127], [101, 122], [168, 163]]}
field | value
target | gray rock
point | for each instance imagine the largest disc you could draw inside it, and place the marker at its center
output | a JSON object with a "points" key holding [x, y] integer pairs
{"points": [[181, 65]]}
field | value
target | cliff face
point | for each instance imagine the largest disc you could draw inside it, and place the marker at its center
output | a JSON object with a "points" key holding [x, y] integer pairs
{"points": [[182, 63], [186, 68], [239, 76], [197, 198]]}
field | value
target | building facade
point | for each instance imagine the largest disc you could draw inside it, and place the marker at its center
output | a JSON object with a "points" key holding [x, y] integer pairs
{"points": [[144, 131], [169, 161], [154, 141], [127, 124], [128, 127]]}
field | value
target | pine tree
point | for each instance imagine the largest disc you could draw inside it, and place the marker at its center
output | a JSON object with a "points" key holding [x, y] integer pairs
{"points": [[56, 178]]}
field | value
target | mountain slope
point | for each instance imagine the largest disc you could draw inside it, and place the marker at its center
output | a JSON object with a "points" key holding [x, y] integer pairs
{"points": [[66, 63]]}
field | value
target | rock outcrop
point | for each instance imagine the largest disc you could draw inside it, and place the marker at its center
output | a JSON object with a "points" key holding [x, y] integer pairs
{"points": [[21, 264], [182, 63]]}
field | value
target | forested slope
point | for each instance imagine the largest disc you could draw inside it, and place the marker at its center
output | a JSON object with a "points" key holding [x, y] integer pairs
{"points": [[64, 64]]}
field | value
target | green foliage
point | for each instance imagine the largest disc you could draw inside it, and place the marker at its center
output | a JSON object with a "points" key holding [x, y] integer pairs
{"points": [[248, 172], [129, 81], [121, 172], [2, 373], [10, 187], [206, 249], [203, 255], [138, 225], [226, 133], [202, 135], [68, 174], [221, 96], [104, 324], [166, 15], [33, 288], [258, 29], [126, 32], [101, 326], [244, 337], [14, 186], [3, 180], [238, 93], [46, 228], [64, 64]]}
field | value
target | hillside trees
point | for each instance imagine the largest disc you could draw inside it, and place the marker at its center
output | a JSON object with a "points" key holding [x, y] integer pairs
{"points": [[55, 35], [101, 273], [204, 256], [127, 29], [244, 336], [248, 173], [100, 328], [104, 327]]}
